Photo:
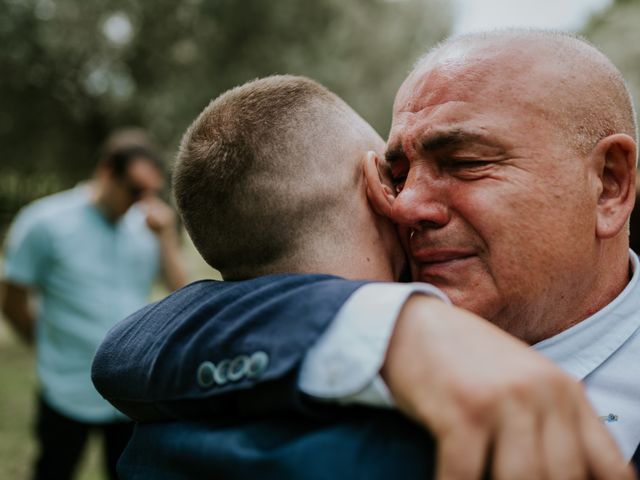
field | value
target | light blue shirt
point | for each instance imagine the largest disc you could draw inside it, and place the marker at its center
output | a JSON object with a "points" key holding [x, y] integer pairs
{"points": [[603, 351], [89, 274]]}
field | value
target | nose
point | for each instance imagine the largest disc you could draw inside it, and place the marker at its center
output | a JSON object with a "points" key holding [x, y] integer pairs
{"points": [[421, 202]]}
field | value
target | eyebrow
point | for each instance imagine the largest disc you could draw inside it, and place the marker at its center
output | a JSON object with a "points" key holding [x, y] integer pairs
{"points": [[443, 139], [455, 138], [394, 155]]}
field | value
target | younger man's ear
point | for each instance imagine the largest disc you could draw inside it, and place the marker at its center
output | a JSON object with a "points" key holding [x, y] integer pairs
{"points": [[615, 159], [379, 190]]}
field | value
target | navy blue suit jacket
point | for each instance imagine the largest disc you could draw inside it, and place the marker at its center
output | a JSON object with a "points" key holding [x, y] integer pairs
{"points": [[148, 365], [365, 445]]}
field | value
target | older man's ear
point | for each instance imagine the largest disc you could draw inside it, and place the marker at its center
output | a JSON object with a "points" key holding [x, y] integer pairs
{"points": [[379, 190], [615, 160]]}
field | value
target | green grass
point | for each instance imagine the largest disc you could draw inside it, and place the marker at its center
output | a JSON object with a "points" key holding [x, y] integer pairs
{"points": [[17, 406]]}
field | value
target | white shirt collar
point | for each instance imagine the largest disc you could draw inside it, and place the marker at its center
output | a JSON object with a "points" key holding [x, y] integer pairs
{"points": [[582, 348]]}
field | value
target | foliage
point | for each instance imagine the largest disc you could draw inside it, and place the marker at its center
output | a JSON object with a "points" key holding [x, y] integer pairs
{"points": [[72, 71], [615, 32]]}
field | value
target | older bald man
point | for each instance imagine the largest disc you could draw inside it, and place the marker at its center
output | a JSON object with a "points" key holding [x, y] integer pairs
{"points": [[513, 158]]}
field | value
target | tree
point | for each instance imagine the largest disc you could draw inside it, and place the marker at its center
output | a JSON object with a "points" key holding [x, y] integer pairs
{"points": [[615, 32], [76, 70]]}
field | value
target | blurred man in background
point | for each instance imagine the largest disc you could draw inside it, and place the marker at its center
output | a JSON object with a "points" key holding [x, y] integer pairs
{"points": [[89, 256]]}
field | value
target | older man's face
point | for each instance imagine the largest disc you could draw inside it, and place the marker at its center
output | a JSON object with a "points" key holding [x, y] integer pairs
{"points": [[494, 205]]}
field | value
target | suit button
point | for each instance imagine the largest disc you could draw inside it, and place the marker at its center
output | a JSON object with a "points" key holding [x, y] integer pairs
{"points": [[238, 368], [258, 363], [206, 374], [221, 372]]}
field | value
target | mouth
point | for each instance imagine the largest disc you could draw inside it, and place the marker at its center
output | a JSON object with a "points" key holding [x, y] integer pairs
{"points": [[437, 263]]}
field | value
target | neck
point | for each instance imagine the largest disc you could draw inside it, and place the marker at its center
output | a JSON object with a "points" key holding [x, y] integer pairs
{"points": [[614, 270], [610, 277], [364, 266], [361, 267], [358, 258], [326, 256]]}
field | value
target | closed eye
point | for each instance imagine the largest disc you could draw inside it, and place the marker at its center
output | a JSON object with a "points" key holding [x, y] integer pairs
{"points": [[398, 183], [453, 163], [398, 168], [469, 169]]}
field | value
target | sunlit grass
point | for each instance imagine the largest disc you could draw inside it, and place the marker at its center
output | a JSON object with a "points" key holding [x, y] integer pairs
{"points": [[17, 408]]}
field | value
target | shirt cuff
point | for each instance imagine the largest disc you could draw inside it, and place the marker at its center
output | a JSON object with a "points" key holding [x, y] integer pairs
{"points": [[343, 366]]}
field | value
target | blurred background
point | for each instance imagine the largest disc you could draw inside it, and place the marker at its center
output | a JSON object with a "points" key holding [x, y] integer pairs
{"points": [[72, 71]]}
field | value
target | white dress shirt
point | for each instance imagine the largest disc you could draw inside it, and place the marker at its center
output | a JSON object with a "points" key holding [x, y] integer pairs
{"points": [[603, 351]]}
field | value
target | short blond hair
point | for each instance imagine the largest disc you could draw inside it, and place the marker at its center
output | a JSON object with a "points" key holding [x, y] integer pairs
{"points": [[253, 180]]}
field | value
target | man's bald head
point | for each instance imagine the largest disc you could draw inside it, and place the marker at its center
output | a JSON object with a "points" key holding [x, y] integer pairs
{"points": [[582, 91], [268, 174]]}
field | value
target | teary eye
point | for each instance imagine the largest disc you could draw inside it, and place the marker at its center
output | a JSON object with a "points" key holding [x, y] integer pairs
{"points": [[398, 183]]}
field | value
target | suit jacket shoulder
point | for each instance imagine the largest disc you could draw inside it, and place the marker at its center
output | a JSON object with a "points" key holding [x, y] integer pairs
{"points": [[199, 351]]}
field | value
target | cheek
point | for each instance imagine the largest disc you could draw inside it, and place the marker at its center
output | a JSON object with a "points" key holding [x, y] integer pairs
{"points": [[506, 211], [529, 235], [512, 225]]}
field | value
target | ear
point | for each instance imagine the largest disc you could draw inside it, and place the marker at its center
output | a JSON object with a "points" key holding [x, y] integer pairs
{"points": [[381, 195], [615, 158]]}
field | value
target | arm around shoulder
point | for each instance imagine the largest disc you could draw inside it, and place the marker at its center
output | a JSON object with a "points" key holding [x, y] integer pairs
{"points": [[191, 354], [487, 398]]}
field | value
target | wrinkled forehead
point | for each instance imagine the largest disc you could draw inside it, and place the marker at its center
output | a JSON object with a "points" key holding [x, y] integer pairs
{"points": [[462, 71], [493, 88]]}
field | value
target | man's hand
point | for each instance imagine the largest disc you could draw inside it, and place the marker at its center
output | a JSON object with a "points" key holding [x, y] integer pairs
{"points": [[161, 219], [493, 404]]}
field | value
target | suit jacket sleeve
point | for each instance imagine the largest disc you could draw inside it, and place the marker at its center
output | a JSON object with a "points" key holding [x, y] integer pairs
{"points": [[214, 349]]}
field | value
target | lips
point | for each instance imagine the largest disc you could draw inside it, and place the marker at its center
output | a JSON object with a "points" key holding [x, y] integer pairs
{"points": [[440, 255], [431, 254], [440, 262]]}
